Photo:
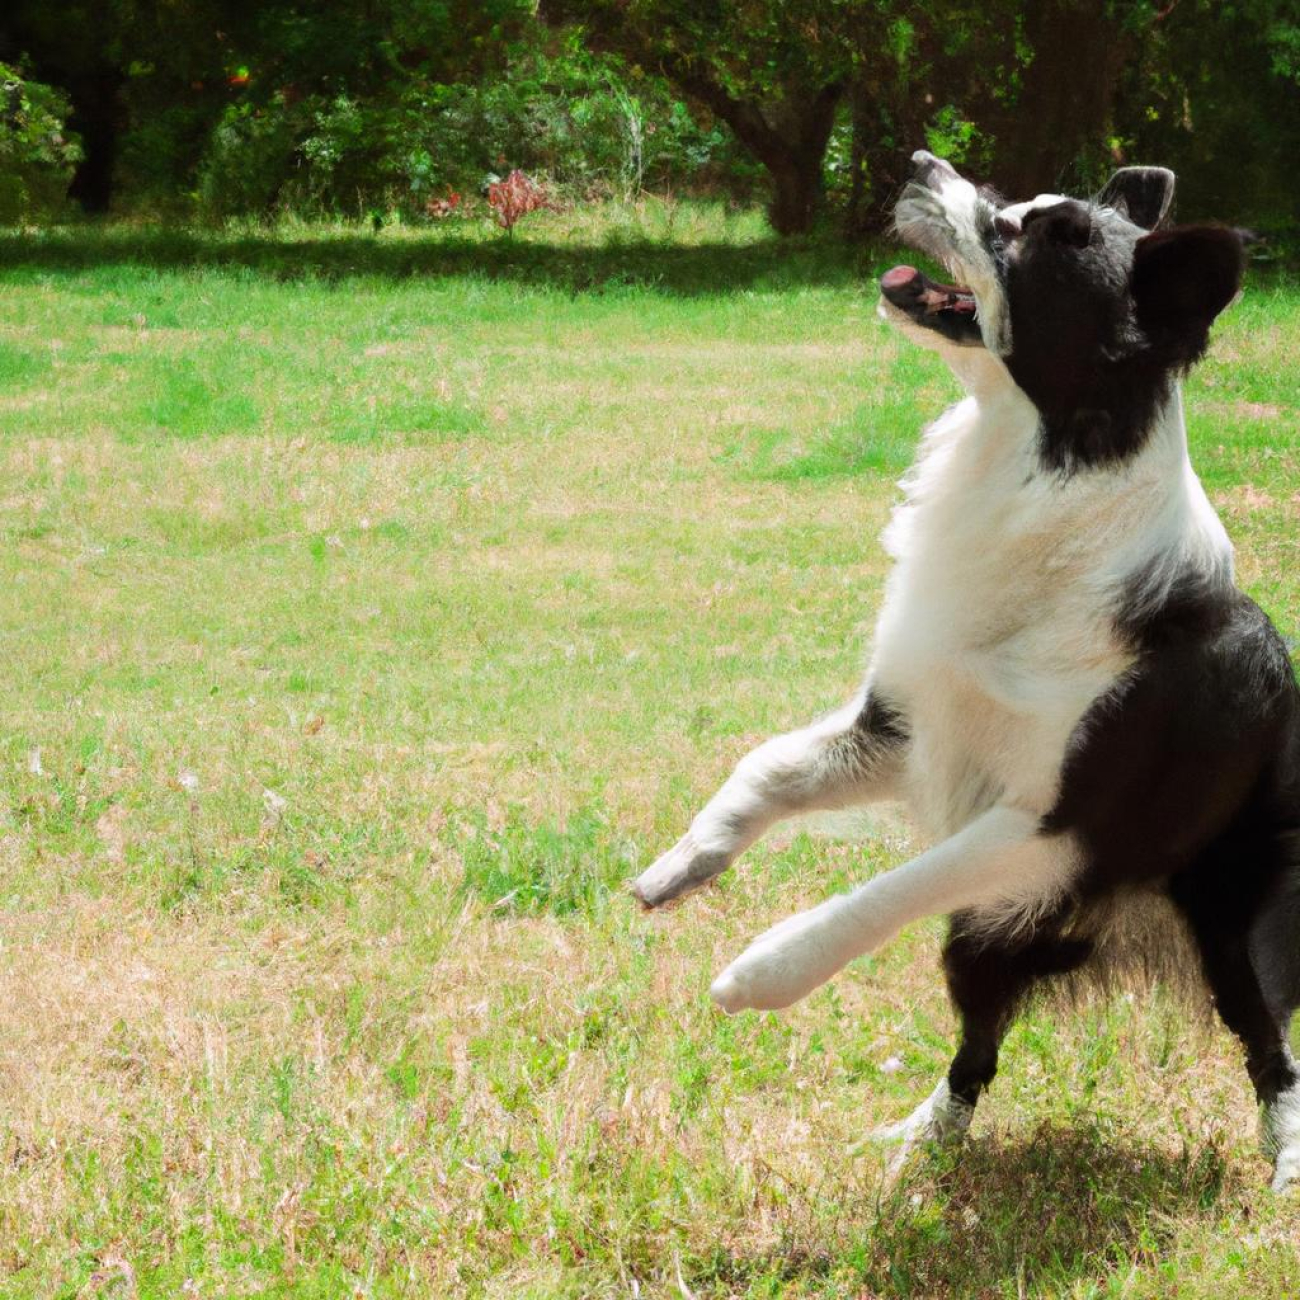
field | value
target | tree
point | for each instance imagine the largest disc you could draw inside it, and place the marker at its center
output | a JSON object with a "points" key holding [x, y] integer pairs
{"points": [[1052, 94], [37, 153], [128, 65], [1214, 92], [73, 46], [1063, 106], [289, 102], [773, 71], [1018, 91]]}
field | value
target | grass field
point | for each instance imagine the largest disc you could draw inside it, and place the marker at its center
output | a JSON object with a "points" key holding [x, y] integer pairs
{"points": [[371, 609]]}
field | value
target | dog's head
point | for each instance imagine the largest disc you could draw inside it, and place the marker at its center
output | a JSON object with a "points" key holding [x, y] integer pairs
{"points": [[1089, 306]]}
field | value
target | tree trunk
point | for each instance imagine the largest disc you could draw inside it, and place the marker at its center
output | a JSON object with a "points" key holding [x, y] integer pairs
{"points": [[96, 118], [1067, 98], [789, 142], [856, 218], [795, 160], [796, 193]]}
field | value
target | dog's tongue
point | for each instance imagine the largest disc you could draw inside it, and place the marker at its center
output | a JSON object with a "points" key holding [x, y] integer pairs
{"points": [[906, 287], [899, 278]]}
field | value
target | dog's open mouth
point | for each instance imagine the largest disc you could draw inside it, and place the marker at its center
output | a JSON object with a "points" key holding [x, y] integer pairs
{"points": [[949, 309], [920, 221], [908, 288]]}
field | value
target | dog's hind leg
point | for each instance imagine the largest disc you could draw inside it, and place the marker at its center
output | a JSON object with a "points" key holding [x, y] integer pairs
{"points": [[1232, 959], [988, 980], [852, 757], [1000, 864]]}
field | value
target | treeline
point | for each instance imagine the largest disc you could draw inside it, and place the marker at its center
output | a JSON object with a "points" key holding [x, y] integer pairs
{"points": [[367, 107]]}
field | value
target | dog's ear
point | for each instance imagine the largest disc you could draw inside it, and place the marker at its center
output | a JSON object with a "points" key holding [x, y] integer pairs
{"points": [[1183, 278], [1142, 194]]}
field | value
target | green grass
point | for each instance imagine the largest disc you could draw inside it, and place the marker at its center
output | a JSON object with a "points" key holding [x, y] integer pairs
{"points": [[371, 608]]}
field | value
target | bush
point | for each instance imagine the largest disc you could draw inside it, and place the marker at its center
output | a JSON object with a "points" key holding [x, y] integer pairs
{"points": [[249, 159], [169, 122], [318, 154], [584, 126], [37, 154]]}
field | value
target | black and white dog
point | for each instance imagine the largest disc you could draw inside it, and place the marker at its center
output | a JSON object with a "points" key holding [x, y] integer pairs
{"points": [[1097, 729]]}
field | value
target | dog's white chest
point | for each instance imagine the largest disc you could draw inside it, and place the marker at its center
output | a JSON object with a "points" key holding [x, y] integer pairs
{"points": [[996, 635]]}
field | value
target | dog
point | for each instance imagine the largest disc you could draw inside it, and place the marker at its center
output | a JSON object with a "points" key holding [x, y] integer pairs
{"points": [[1098, 731]]}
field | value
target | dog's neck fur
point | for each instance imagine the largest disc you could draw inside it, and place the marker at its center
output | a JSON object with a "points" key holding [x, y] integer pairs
{"points": [[989, 447]]}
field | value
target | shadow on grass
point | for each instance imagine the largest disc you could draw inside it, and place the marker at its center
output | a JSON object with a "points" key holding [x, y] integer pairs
{"points": [[1060, 1205], [679, 269], [1009, 1217]]}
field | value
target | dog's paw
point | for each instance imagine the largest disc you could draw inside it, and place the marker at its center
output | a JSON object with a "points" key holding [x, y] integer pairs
{"points": [[782, 965], [1280, 1138], [941, 1118], [683, 868], [1286, 1169]]}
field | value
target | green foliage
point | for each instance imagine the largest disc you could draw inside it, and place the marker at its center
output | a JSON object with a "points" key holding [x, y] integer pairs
{"points": [[585, 125], [1216, 96], [591, 124], [772, 71], [369, 107], [247, 158], [37, 152], [950, 135], [520, 868]]}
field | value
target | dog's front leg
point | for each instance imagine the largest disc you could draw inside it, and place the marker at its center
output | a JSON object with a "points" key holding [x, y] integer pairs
{"points": [[1000, 864], [851, 757]]}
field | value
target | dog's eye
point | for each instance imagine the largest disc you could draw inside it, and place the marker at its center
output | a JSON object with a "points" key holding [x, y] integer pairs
{"points": [[1007, 227]]}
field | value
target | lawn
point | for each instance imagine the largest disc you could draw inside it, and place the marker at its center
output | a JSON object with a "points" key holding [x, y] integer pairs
{"points": [[373, 606]]}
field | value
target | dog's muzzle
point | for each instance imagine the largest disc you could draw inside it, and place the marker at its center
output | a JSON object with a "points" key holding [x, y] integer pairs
{"points": [[930, 171], [948, 309]]}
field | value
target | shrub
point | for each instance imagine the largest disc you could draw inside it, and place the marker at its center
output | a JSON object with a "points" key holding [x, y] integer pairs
{"points": [[323, 153], [582, 127], [515, 197], [37, 154], [251, 155]]}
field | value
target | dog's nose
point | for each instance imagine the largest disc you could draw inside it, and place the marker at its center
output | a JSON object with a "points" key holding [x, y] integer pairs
{"points": [[929, 170]]}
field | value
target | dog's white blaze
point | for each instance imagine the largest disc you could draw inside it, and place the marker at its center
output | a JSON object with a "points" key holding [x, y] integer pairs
{"points": [[997, 632], [1015, 212]]}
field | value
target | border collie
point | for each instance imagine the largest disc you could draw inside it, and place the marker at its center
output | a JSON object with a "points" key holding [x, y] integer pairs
{"points": [[1098, 732]]}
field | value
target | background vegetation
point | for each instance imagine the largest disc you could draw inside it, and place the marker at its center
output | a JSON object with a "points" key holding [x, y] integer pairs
{"points": [[378, 108]]}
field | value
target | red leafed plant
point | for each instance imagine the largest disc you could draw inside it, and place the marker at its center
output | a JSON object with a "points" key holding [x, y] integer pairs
{"points": [[440, 208], [515, 197]]}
